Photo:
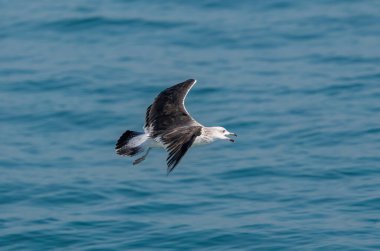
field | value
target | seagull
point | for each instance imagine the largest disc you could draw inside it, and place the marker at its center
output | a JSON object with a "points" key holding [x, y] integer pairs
{"points": [[169, 125]]}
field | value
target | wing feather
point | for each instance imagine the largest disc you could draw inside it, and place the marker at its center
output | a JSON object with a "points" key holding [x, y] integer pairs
{"points": [[146, 125], [168, 110], [177, 142]]}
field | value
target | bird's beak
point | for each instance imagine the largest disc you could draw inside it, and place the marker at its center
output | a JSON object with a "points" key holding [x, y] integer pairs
{"points": [[232, 134]]}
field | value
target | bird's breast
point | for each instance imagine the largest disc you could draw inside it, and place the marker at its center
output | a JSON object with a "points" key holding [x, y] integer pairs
{"points": [[201, 140]]}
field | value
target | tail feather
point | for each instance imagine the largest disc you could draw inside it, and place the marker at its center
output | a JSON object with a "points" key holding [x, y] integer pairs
{"points": [[130, 143]]}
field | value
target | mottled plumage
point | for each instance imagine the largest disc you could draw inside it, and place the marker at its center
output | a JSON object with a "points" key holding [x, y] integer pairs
{"points": [[169, 125], [168, 109]]}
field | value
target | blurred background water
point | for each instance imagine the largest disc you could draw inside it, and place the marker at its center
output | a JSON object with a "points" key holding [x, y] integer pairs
{"points": [[298, 81]]}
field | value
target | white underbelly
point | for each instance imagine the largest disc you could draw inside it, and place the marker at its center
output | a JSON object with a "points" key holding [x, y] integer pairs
{"points": [[200, 141], [157, 144]]}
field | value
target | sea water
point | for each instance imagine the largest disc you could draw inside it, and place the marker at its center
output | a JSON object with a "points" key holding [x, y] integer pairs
{"points": [[298, 81]]}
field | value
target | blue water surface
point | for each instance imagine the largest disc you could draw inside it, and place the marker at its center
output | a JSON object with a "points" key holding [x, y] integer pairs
{"points": [[298, 81]]}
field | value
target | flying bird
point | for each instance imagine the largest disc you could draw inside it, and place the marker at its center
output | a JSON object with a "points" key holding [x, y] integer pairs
{"points": [[168, 125]]}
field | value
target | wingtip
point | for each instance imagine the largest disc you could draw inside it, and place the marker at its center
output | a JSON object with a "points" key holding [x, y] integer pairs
{"points": [[193, 81], [168, 171], [170, 168]]}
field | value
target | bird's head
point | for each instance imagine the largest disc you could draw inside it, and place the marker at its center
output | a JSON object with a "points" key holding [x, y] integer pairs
{"points": [[218, 132]]}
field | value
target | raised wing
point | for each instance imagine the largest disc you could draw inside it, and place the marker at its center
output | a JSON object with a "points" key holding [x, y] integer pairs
{"points": [[168, 110], [177, 142]]}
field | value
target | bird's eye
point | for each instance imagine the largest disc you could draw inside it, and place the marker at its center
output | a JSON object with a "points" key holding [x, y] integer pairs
{"points": [[224, 131]]}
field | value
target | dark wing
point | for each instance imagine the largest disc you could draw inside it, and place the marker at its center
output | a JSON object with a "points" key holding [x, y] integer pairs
{"points": [[146, 125], [168, 110], [177, 142]]}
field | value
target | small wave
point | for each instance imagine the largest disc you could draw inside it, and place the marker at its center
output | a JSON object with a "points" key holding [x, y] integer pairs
{"points": [[79, 24]]}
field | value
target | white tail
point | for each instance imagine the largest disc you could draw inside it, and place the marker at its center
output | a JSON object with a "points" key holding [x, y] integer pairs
{"points": [[131, 143]]}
